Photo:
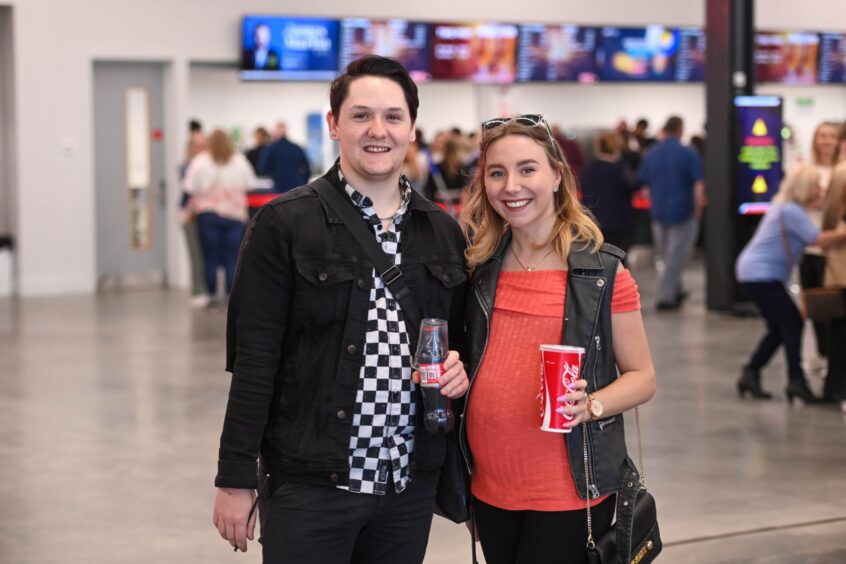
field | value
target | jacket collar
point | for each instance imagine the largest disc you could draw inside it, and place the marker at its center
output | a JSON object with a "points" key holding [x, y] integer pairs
{"points": [[417, 203]]}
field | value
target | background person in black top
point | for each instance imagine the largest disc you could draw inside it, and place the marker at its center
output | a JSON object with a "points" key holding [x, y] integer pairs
{"points": [[607, 185]]}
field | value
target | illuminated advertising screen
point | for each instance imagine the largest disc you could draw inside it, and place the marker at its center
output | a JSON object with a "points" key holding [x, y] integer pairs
{"points": [[405, 41], [637, 54], [758, 124], [690, 61], [485, 53], [787, 58], [551, 53], [832, 69], [283, 48]]}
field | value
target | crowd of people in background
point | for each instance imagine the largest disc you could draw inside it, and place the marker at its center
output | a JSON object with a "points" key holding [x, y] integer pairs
{"points": [[614, 168]]}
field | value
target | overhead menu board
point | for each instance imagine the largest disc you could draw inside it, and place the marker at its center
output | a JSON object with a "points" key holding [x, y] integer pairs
{"points": [[832, 67], [405, 41], [637, 53], [551, 53], [788, 58], [690, 61], [484, 53]]}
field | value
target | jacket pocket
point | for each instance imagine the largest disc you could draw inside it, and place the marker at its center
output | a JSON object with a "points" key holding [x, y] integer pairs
{"points": [[449, 274], [441, 280], [324, 290]]}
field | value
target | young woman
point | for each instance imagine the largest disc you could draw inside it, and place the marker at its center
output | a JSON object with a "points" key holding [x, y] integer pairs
{"points": [[763, 268], [824, 156], [607, 186], [538, 259], [217, 180]]}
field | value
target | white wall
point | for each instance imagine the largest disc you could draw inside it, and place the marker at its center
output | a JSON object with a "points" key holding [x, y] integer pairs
{"points": [[56, 42]]}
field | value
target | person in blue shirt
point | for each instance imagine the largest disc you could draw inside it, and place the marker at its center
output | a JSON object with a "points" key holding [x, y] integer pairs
{"points": [[672, 173], [285, 162], [765, 265]]}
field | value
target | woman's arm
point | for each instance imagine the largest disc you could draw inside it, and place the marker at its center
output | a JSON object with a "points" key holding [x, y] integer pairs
{"points": [[636, 384], [831, 238]]}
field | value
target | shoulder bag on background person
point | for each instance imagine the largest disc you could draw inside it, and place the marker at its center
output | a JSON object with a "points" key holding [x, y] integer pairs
{"points": [[453, 496], [818, 304], [634, 537]]}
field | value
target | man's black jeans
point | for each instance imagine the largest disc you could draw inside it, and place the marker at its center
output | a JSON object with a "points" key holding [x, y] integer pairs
{"points": [[319, 524]]}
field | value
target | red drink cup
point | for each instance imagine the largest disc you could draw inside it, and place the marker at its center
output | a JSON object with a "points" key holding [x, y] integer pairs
{"points": [[560, 367]]}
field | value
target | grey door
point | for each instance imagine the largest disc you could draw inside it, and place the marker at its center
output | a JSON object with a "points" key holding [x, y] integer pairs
{"points": [[129, 161]]}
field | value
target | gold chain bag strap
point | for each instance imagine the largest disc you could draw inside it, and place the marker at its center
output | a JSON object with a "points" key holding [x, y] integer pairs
{"points": [[634, 537]]}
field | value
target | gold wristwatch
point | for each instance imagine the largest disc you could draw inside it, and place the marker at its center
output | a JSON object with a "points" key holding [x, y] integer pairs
{"points": [[594, 407]]}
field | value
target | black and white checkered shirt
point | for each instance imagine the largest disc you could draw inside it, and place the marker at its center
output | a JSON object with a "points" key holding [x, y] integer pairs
{"points": [[382, 437]]}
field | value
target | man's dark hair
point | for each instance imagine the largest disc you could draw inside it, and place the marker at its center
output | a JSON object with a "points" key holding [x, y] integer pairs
{"points": [[374, 65], [195, 126], [642, 122], [674, 125]]}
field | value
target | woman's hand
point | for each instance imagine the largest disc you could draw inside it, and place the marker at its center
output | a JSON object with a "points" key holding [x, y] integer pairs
{"points": [[577, 396]]}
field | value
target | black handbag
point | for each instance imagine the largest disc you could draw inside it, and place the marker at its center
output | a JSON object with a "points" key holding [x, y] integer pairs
{"points": [[817, 304], [634, 537], [453, 498], [453, 495]]}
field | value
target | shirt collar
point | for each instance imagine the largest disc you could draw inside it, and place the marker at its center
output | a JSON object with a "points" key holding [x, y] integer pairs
{"points": [[365, 204]]}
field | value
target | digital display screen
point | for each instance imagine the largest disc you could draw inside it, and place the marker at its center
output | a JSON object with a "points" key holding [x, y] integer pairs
{"points": [[551, 53], [690, 61], [405, 41], [758, 143], [485, 53], [832, 69], [637, 54], [787, 58], [283, 48]]}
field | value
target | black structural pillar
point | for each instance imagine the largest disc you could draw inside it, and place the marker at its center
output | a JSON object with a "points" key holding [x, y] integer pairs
{"points": [[729, 71]]}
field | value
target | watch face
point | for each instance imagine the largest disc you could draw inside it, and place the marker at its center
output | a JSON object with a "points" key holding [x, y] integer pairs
{"points": [[596, 408]]}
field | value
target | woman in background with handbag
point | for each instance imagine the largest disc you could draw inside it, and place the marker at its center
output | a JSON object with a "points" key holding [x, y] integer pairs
{"points": [[530, 241], [765, 265], [834, 217]]}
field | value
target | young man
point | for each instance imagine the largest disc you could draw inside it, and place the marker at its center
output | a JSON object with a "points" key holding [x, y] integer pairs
{"points": [[321, 357]]}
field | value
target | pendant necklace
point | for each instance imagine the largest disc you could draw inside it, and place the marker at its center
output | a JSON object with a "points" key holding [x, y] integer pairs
{"points": [[530, 268]]}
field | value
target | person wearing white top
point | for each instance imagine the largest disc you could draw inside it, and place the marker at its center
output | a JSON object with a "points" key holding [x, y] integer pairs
{"points": [[217, 180]]}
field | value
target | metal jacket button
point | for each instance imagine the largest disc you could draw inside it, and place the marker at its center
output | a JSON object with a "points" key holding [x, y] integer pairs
{"points": [[600, 282], [322, 277], [352, 349], [333, 478], [341, 414], [360, 283]]}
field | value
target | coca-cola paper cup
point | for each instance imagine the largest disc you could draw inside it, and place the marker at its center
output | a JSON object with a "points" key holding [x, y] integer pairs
{"points": [[560, 366]]}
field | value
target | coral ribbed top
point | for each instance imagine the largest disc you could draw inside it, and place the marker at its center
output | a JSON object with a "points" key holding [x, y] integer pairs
{"points": [[516, 465]]}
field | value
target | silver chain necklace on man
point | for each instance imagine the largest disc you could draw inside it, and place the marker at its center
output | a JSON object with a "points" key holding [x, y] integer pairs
{"points": [[530, 268]]}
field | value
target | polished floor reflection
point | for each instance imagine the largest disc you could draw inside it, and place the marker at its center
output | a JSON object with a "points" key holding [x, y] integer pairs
{"points": [[110, 412]]}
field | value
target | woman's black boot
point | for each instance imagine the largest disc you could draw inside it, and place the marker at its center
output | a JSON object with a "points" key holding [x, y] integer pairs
{"points": [[799, 389], [750, 381]]}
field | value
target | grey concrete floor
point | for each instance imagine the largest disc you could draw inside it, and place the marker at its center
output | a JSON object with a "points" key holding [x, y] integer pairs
{"points": [[111, 407]]}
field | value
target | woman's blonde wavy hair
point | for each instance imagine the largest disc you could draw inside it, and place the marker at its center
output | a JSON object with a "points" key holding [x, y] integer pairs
{"points": [[798, 185], [485, 228]]}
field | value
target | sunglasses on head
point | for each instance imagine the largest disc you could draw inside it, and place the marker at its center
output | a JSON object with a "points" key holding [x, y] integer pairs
{"points": [[529, 120]]}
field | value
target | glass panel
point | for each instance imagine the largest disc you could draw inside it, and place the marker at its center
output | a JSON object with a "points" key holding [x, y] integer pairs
{"points": [[138, 168]]}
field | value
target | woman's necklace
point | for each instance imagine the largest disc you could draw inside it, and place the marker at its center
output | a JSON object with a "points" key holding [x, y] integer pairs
{"points": [[530, 268]]}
